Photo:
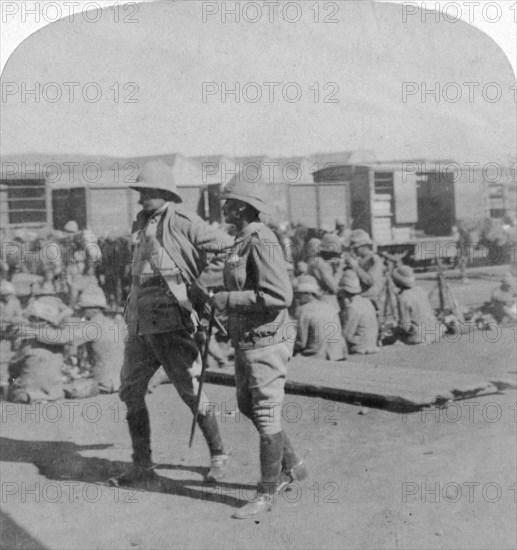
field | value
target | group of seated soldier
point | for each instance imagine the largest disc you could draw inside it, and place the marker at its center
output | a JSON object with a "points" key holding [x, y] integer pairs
{"points": [[51, 350], [341, 292]]}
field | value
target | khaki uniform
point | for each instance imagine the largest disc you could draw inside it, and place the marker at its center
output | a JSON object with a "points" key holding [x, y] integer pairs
{"points": [[370, 271], [10, 314], [360, 327], [178, 244], [36, 369], [104, 339], [319, 332], [259, 294], [328, 280]]}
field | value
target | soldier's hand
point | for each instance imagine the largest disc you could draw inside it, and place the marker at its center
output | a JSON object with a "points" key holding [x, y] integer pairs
{"points": [[220, 301], [352, 262], [198, 296]]}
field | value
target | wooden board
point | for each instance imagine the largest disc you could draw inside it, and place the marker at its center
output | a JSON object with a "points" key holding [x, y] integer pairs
{"points": [[389, 387]]}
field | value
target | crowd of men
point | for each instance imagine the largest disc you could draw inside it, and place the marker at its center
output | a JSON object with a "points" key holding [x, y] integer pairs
{"points": [[56, 339], [347, 300]]}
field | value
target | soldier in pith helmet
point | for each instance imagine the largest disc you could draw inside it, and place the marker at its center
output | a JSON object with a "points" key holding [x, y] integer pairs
{"points": [[256, 297], [170, 274]]}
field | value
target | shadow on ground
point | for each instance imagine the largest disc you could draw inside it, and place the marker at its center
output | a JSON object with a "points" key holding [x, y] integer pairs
{"points": [[63, 461]]}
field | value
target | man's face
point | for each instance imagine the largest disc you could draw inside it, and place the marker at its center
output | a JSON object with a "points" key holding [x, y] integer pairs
{"points": [[151, 200], [231, 210], [361, 251]]}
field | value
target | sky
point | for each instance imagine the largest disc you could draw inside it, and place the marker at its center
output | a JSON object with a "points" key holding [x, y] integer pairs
{"points": [[154, 81]]}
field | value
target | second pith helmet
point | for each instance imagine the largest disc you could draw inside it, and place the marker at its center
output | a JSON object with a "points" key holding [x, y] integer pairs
{"points": [[157, 174], [248, 192]]}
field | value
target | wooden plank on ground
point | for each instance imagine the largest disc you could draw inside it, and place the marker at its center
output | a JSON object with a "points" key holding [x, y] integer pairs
{"points": [[361, 382]]}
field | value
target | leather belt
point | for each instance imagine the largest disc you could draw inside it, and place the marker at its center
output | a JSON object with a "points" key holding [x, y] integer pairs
{"points": [[150, 279]]}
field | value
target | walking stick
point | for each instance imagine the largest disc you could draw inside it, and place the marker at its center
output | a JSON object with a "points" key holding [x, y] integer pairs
{"points": [[201, 377]]}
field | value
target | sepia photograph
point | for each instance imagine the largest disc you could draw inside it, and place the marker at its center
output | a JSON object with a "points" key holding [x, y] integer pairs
{"points": [[258, 274]]}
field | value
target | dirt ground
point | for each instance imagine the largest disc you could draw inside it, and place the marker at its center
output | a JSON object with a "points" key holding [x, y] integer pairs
{"points": [[433, 479]]}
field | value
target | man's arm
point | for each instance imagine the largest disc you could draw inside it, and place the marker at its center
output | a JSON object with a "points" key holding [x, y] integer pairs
{"points": [[272, 286], [371, 275], [213, 245]]}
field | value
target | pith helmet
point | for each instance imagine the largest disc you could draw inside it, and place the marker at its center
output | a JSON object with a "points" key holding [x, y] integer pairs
{"points": [[157, 174], [350, 282], [6, 288], [92, 296], [331, 243], [360, 237], [403, 275], [307, 283], [44, 311], [71, 227], [250, 193]]}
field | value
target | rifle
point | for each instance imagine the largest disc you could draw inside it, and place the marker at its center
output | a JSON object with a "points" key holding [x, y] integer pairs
{"points": [[201, 377], [445, 294], [388, 295]]}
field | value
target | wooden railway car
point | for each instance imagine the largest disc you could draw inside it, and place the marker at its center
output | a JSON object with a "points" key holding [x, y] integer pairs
{"points": [[406, 206], [93, 193]]}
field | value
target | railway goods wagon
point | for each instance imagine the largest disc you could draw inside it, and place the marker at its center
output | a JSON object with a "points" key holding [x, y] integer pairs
{"points": [[404, 206], [95, 194]]}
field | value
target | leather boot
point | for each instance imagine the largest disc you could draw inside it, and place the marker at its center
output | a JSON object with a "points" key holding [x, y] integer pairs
{"points": [[219, 460], [293, 467], [142, 468], [271, 448]]}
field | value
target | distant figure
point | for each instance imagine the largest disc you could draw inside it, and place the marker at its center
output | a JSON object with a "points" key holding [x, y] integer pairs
{"points": [[360, 326], [36, 368], [327, 269], [368, 266], [44, 293], [82, 253], [503, 305], [417, 322], [104, 340], [343, 232], [11, 315], [319, 331]]}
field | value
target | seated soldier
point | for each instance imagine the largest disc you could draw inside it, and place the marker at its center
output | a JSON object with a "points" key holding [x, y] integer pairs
{"points": [[502, 305], [103, 337], [417, 322], [35, 369], [45, 293], [359, 319], [327, 269], [319, 328], [11, 315], [368, 266]]}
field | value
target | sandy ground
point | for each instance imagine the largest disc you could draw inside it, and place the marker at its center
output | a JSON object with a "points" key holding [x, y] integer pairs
{"points": [[434, 479]]}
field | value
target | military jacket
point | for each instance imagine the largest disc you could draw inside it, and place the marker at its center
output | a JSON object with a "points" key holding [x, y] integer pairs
{"points": [[319, 332], [179, 242], [256, 276], [360, 326]]}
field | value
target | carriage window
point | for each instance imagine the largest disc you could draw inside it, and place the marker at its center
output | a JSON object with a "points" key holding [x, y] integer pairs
{"points": [[26, 201]]}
